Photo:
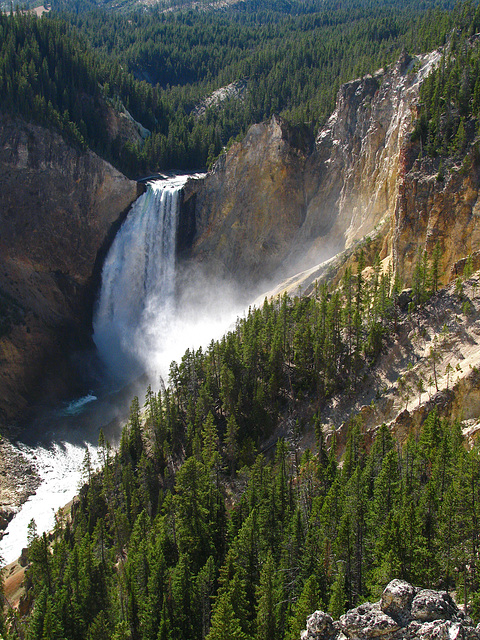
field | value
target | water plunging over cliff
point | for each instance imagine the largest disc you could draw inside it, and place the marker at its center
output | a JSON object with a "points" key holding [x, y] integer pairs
{"points": [[140, 325], [137, 297]]}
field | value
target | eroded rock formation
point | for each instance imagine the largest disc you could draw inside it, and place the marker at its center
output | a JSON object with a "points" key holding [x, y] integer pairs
{"points": [[277, 203], [403, 613], [246, 214], [58, 206]]}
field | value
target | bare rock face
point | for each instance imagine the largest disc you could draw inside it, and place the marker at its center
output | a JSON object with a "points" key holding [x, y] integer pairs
{"points": [[403, 613], [278, 202], [57, 208], [353, 176], [430, 210], [18, 480], [245, 214]]}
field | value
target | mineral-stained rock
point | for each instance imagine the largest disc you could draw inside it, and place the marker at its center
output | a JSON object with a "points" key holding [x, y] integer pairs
{"points": [[397, 599], [430, 605], [368, 621], [277, 201]]}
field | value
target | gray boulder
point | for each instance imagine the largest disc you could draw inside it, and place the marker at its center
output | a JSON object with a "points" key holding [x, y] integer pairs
{"points": [[440, 630], [403, 613], [319, 627], [368, 621], [397, 599], [429, 605]]}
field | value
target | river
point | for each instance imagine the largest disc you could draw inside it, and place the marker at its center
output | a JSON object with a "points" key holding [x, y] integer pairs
{"points": [[141, 324]]}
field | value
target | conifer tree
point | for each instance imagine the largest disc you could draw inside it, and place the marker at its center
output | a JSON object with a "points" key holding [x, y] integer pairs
{"points": [[266, 623]]}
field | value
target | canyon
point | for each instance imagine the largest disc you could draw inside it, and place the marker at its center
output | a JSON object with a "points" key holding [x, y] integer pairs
{"points": [[59, 210], [280, 211]]}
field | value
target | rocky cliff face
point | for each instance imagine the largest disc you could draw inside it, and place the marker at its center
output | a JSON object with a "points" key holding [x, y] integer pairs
{"points": [[403, 613], [58, 207], [246, 214], [432, 209], [275, 201]]}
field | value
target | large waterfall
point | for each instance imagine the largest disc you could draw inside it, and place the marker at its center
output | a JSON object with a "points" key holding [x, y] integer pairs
{"points": [[139, 326], [137, 297]]}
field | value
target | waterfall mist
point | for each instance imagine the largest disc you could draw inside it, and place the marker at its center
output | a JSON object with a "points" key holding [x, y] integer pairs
{"points": [[142, 320]]}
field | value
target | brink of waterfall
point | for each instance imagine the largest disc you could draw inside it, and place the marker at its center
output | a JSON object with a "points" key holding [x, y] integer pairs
{"points": [[137, 296]]}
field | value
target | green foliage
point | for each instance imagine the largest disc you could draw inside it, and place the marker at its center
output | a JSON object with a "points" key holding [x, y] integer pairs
{"points": [[164, 544], [70, 68], [450, 97]]}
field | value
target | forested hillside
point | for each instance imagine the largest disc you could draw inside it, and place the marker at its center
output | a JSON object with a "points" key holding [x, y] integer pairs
{"points": [[191, 531], [211, 521], [63, 69]]}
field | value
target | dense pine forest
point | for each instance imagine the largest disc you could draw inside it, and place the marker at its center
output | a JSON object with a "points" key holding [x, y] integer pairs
{"points": [[198, 528], [210, 521], [68, 68]]}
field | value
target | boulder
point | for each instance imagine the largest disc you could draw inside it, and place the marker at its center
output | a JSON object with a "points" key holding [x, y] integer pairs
{"points": [[403, 613], [368, 621], [397, 599], [429, 605], [440, 630], [319, 627]]}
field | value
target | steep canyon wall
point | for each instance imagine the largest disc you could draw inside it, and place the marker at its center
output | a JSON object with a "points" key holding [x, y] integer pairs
{"points": [[279, 203], [58, 207]]}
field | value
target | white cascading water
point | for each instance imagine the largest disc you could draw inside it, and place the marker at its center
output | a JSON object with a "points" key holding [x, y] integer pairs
{"points": [[137, 297], [138, 328], [60, 470]]}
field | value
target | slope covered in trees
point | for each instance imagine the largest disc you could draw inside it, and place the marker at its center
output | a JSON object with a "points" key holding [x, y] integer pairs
{"points": [[449, 112], [61, 70], [48, 74], [190, 531]]}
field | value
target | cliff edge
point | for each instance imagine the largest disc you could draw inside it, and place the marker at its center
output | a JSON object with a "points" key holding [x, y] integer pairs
{"points": [[280, 202]]}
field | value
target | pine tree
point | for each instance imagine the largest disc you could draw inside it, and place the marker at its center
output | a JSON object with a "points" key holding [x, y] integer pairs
{"points": [[338, 598], [224, 623], [266, 624], [307, 603]]}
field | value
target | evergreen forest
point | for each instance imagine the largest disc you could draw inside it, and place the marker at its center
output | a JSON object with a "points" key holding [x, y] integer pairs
{"points": [[210, 521], [206, 523], [71, 67]]}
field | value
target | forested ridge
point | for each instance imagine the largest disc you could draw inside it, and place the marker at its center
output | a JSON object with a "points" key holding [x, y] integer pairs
{"points": [[209, 521], [449, 110], [63, 69], [191, 531]]}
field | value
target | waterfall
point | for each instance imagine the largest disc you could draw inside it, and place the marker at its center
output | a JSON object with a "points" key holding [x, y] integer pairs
{"points": [[137, 297]]}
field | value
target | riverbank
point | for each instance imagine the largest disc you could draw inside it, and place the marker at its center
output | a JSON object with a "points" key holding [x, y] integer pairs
{"points": [[18, 481]]}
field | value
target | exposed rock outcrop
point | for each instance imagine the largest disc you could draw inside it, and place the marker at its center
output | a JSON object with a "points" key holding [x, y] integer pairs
{"points": [[277, 204], [246, 214], [430, 210], [18, 480], [58, 207], [277, 201], [403, 613]]}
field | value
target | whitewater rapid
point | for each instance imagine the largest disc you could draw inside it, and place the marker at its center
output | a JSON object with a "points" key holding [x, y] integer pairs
{"points": [[60, 469]]}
